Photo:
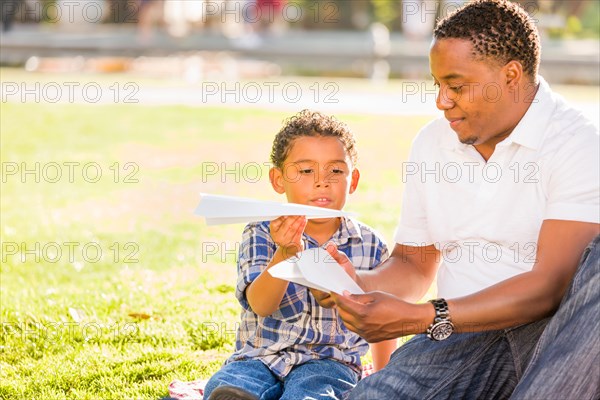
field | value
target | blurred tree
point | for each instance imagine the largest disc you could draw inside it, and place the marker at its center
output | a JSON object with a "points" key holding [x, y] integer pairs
{"points": [[570, 7], [567, 7], [359, 14], [386, 11]]}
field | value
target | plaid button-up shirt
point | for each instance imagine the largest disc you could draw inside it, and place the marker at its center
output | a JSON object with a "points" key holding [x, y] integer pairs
{"points": [[300, 330]]}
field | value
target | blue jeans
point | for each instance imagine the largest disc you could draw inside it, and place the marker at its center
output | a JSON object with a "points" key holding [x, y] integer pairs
{"points": [[555, 358], [318, 379]]}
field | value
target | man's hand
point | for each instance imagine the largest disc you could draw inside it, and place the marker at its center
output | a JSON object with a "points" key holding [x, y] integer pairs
{"points": [[378, 316], [324, 299]]}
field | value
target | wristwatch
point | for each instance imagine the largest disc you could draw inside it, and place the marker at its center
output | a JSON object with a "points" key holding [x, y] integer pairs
{"points": [[442, 326]]}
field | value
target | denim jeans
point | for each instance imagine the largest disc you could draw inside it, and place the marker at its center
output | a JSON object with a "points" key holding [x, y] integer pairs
{"points": [[555, 358], [318, 379]]}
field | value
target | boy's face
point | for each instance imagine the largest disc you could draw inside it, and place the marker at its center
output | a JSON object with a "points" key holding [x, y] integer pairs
{"points": [[316, 172]]}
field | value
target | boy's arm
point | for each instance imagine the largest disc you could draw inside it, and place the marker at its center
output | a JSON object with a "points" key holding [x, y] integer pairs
{"points": [[381, 352], [265, 293]]}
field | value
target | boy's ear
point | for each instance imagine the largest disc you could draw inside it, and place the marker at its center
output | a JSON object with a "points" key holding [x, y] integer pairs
{"points": [[354, 181], [276, 178]]}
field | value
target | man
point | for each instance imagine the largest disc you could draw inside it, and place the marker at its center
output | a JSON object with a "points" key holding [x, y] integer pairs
{"points": [[501, 199]]}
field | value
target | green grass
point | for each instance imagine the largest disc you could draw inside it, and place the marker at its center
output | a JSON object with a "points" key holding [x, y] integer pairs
{"points": [[158, 304]]}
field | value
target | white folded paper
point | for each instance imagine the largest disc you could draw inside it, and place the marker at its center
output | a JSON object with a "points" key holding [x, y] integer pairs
{"points": [[219, 210], [315, 268]]}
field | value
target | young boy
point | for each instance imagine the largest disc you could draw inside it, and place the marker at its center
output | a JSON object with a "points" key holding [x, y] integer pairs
{"points": [[289, 347]]}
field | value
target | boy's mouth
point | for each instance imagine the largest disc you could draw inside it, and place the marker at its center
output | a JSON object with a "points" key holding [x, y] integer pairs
{"points": [[321, 201]]}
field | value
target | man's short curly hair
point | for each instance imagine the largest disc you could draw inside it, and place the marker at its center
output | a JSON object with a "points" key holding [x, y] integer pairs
{"points": [[499, 29], [314, 124]]}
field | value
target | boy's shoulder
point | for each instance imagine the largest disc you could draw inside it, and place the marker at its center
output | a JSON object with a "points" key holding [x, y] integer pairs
{"points": [[254, 229], [260, 225]]}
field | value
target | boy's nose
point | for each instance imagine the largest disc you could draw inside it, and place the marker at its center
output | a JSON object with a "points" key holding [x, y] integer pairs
{"points": [[321, 183]]}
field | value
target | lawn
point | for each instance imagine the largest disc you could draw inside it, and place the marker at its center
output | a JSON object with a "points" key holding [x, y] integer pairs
{"points": [[110, 286]]}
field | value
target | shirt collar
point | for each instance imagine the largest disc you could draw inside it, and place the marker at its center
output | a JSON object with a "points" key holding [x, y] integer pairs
{"points": [[347, 230], [530, 130]]}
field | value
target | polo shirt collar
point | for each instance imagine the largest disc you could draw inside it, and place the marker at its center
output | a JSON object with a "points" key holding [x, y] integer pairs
{"points": [[530, 131]]}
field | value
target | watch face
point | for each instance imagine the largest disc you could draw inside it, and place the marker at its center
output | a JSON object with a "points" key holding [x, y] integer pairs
{"points": [[442, 330]]}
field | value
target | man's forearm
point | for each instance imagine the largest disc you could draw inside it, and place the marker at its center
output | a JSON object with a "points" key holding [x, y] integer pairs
{"points": [[519, 300]]}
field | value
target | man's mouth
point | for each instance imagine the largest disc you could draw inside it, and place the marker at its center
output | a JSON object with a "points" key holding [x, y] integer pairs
{"points": [[454, 122]]}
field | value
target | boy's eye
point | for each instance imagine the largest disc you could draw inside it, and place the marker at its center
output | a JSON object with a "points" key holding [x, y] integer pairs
{"points": [[337, 171], [306, 171]]}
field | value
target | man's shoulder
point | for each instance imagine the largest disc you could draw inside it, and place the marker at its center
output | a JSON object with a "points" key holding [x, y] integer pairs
{"points": [[568, 113], [567, 122], [570, 130]]}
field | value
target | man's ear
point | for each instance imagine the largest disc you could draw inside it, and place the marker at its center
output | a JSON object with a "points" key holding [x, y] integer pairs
{"points": [[513, 71], [276, 178], [354, 181]]}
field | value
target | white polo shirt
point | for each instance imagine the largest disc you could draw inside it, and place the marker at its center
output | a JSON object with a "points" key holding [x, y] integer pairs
{"points": [[485, 217]]}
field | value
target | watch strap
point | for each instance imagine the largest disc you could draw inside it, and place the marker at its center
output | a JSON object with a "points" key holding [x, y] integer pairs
{"points": [[441, 310]]}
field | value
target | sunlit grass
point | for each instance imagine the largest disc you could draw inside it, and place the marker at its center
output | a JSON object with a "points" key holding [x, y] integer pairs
{"points": [[157, 304]]}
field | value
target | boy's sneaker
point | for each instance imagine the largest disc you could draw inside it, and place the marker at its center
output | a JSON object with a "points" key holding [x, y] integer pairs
{"points": [[231, 393]]}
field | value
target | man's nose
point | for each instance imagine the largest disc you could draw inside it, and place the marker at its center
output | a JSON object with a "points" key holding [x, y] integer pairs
{"points": [[443, 101]]}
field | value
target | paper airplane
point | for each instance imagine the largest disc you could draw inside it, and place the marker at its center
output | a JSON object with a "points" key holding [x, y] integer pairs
{"points": [[219, 209], [315, 268]]}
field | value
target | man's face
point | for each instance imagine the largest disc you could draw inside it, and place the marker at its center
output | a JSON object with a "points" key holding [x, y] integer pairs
{"points": [[316, 172], [474, 95]]}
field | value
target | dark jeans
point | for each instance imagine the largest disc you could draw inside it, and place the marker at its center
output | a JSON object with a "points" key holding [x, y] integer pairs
{"points": [[318, 379], [556, 358]]}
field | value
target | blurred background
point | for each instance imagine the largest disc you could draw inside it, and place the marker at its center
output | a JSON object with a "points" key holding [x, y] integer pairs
{"points": [[199, 38]]}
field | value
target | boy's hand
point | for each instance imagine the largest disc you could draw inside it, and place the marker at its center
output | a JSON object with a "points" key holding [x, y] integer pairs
{"points": [[287, 233], [325, 299]]}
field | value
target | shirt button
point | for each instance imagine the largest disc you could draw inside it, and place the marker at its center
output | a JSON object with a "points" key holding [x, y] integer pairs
{"points": [[318, 325], [287, 360]]}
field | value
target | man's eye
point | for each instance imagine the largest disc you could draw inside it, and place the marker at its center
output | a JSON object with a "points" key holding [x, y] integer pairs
{"points": [[337, 171], [306, 171], [455, 89]]}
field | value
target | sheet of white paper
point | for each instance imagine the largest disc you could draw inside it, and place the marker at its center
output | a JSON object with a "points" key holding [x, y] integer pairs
{"points": [[288, 270], [315, 268], [218, 209]]}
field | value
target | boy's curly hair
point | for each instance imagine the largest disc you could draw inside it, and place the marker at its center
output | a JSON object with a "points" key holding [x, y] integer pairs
{"points": [[311, 123], [499, 29]]}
